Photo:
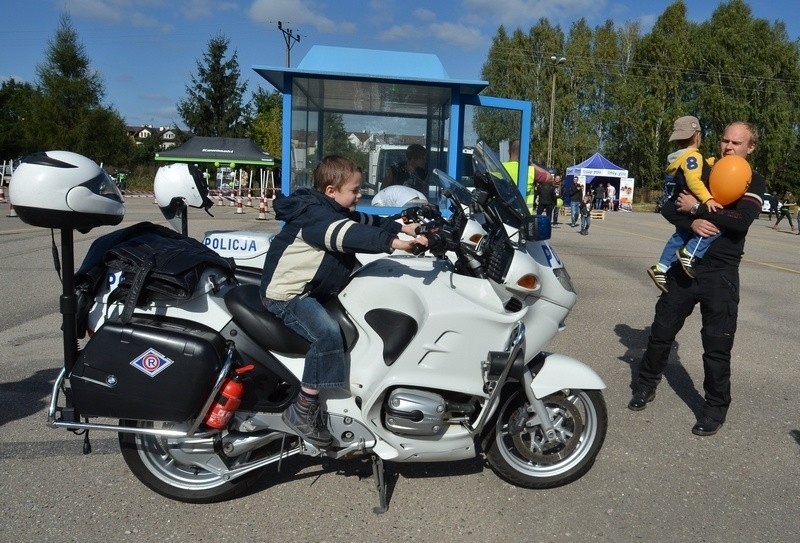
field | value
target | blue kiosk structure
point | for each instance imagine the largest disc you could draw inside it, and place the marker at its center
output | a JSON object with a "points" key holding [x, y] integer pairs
{"points": [[379, 92]]}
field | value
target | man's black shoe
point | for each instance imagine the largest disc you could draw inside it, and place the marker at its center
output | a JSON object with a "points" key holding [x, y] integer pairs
{"points": [[706, 426], [641, 397]]}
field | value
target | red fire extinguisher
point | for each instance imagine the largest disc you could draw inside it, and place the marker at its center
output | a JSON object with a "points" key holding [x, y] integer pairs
{"points": [[228, 400]]}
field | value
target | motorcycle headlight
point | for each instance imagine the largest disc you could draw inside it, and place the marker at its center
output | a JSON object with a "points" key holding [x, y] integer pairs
{"points": [[563, 277]]}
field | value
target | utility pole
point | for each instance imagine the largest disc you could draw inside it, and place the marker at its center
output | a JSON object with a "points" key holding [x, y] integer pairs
{"points": [[556, 62], [291, 39]]}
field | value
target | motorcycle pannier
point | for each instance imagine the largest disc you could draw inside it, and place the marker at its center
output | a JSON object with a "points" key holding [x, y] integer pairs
{"points": [[146, 370]]}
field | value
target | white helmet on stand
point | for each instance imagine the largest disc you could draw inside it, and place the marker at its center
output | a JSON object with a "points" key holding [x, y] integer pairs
{"points": [[64, 190], [176, 184]]}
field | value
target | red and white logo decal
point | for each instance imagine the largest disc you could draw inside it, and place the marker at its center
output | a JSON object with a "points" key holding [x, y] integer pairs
{"points": [[151, 362]]}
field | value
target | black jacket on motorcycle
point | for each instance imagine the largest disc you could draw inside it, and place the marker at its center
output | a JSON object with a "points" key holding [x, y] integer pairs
{"points": [[314, 253]]}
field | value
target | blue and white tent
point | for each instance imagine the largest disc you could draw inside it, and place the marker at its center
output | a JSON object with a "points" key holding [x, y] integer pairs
{"points": [[597, 166], [598, 169]]}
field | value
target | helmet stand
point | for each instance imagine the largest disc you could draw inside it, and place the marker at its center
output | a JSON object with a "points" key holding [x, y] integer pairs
{"points": [[68, 302], [183, 213]]}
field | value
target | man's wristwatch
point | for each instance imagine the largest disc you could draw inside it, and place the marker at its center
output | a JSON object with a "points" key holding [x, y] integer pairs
{"points": [[694, 209]]}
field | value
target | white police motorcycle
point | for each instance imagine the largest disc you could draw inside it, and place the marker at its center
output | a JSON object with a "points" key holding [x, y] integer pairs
{"points": [[445, 354]]}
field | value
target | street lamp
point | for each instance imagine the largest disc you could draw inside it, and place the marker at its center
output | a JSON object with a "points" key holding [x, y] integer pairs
{"points": [[556, 62]]}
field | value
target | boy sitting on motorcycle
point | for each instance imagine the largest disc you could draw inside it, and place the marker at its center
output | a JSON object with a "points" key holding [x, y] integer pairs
{"points": [[308, 262]]}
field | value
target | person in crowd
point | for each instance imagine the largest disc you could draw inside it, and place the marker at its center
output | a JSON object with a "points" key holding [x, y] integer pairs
{"points": [[599, 195], [535, 175], [308, 262], [575, 200], [785, 211], [586, 214], [559, 201], [798, 220], [546, 194], [611, 196], [410, 172], [773, 206], [715, 287]]}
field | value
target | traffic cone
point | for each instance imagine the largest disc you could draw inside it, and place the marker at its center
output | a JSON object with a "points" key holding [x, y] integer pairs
{"points": [[262, 210], [220, 201], [249, 201], [239, 209], [2, 193], [11, 211]]}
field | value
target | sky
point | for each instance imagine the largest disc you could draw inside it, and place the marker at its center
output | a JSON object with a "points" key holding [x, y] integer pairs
{"points": [[146, 51]]}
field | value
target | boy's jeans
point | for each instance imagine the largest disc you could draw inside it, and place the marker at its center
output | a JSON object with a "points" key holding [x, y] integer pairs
{"points": [[695, 246], [325, 362]]}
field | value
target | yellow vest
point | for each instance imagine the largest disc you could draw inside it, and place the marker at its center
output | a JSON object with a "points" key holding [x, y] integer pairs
{"points": [[512, 167]]}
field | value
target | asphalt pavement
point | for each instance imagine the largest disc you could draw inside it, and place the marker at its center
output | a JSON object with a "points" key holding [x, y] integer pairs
{"points": [[653, 480]]}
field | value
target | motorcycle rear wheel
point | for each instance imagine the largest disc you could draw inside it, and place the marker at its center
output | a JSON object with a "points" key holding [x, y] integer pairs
{"points": [[153, 461], [520, 454]]}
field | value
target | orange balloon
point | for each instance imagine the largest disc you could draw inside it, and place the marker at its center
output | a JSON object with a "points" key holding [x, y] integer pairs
{"points": [[729, 178]]}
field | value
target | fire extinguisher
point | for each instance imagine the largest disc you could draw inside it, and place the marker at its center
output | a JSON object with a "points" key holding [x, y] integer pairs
{"points": [[228, 400]]}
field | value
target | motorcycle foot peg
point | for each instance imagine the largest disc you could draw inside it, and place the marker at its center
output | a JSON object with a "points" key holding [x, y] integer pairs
{"points": [[311, 449]]}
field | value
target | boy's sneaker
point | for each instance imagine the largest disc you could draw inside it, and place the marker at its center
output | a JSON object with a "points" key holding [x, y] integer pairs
{"points": [[659, 277], [688, 262], [309, 424]]}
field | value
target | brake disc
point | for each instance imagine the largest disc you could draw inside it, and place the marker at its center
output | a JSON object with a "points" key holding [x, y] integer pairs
{"points": [[530, 440]]}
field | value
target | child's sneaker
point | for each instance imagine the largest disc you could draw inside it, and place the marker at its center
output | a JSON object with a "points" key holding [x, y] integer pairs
{"points": [[687, 261], [659, 277]]}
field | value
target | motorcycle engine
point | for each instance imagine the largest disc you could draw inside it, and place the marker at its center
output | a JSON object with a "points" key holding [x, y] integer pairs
{"points": [[414, 412]]}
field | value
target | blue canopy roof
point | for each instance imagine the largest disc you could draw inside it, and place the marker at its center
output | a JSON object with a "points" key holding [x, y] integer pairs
{"points": [[597, 166]]}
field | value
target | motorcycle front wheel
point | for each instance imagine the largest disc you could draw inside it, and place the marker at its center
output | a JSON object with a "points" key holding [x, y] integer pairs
{"points": [[519, 452], [166, 467]]}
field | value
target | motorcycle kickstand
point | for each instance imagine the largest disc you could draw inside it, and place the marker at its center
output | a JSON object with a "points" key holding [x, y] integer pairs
{"points": [[380, 484]]}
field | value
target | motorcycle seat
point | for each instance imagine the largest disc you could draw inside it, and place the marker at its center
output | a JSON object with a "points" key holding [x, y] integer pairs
{"points": [[244, 303]]}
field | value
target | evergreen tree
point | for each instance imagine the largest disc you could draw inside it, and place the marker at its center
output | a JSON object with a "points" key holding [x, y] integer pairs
{"points": [[67, 111], [214, 105]]}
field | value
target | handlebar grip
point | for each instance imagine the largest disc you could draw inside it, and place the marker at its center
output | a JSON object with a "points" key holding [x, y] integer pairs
{"points": [[418, 249]]}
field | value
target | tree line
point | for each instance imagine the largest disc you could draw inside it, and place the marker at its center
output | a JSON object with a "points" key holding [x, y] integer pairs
{"points": [[619, 90]]}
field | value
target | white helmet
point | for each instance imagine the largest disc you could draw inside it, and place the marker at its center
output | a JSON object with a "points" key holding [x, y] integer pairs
{"points": [[64, 190], [176, 184], [399, 196]]}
